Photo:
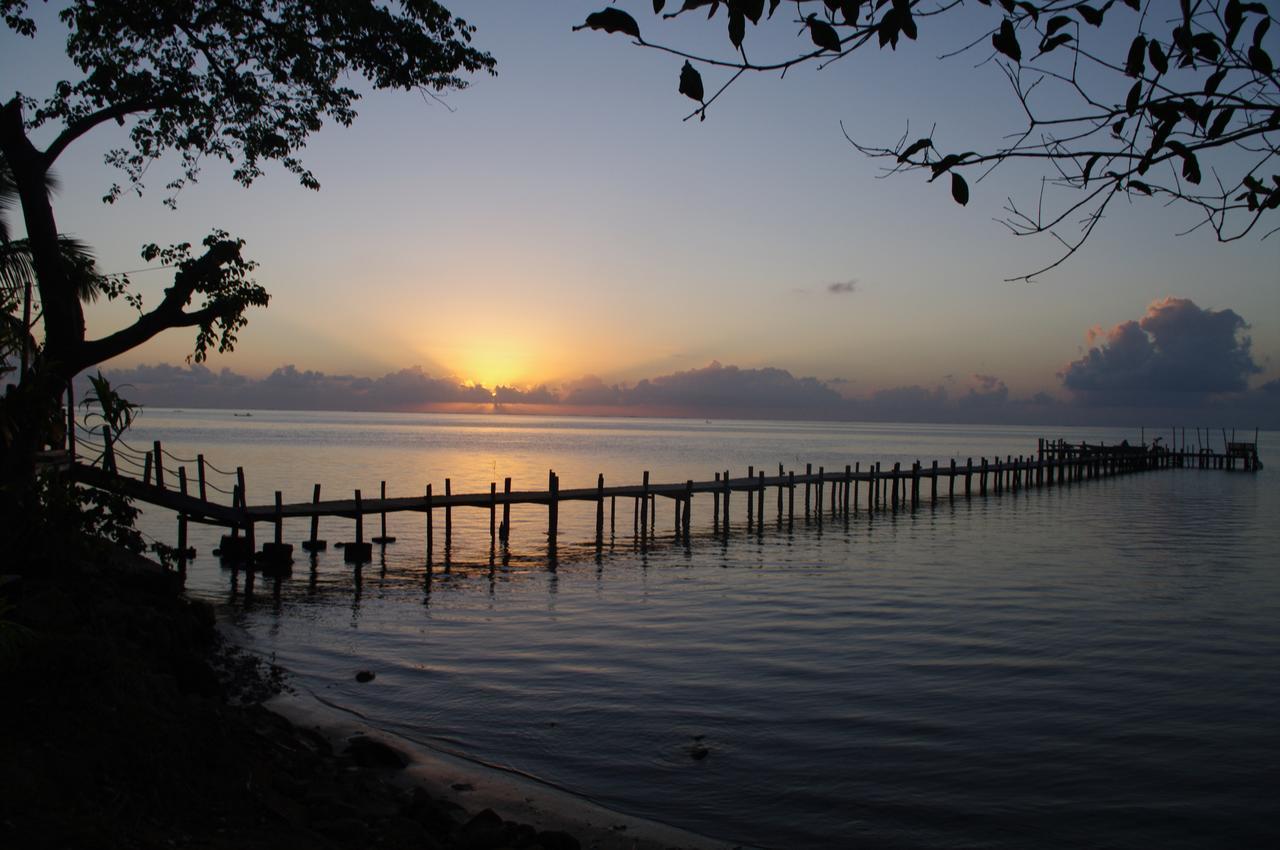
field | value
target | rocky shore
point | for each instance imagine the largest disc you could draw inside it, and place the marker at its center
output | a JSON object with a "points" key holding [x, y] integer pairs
{"points": [[128, 723]]}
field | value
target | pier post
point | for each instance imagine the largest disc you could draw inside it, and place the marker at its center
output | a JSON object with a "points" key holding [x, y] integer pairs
{"points": [[314, 544], [244, 492], [933, 477], [359, 551], [200, 482], [808, 477], [848, 484], [146, 468], [727, 491], [982, 479], [760, 503], [382, 539], [791, 498], [506, 509], [688, 508], [553, 509], [644, 507], [675, 522], [897, 471], [600, 510], [182, 524], [915, 485], [857, 468], [951, 481], [715, 515], [448, 517], [781, 485], [877, 483], [279, 518], [818, 496], [159, 465], [613, 515], [493, 513], [427, 509], [751, 474]]}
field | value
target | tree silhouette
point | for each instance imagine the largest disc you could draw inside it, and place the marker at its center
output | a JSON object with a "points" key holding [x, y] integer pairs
{"points": [[1186, 113], [244, 81]]}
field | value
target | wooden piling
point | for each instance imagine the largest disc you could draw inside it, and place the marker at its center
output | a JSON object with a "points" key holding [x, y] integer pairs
{"points": [[146, 469], [715, 509], [426, 509], [600, 510], [791, 498], [759, 502], [278, 522], [818, 496], [159, 465], [383, 539], [781, 476], [848, 483], [727, 490], [808, 476], [688, 508], [857, 468], [448, 516], [506, 509], [553, 508], [200, 481], [493, 513], [751, 474], [644, 506], [314, 544]]}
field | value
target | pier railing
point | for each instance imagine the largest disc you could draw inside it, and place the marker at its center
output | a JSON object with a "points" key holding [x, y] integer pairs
{"points": [[158, 477]]}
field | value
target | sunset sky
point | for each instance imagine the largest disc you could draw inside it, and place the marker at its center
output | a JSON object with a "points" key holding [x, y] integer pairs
{"points": [[560, 221]]}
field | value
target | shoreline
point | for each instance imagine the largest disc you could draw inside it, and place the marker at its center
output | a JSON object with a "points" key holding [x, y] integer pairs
{"points": [[474, 785], [134, 720]]}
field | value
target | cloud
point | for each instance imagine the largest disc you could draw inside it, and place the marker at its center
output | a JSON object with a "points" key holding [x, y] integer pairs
{"points": [[1176, 349], [1177, 364], [848, 287]]}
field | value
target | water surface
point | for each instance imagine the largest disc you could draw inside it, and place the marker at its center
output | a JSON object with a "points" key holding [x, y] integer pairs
{"points": [[1081, 666]]}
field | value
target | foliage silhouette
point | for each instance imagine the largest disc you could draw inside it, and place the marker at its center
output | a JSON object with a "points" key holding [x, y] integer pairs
{"points": [[1186, 113]]}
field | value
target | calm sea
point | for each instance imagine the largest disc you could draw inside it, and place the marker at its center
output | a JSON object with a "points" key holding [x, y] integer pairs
{"points": [[1086, 666]]}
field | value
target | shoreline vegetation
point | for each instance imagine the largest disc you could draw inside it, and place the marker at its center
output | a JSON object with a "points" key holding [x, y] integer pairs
{"points": [[132, 721]]}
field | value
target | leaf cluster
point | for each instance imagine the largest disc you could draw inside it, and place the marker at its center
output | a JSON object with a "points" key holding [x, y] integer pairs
{"points": [[245, 81]]}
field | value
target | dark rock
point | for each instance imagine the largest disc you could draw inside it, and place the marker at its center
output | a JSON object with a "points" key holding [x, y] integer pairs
{"points": [[486, 831], [367, 752], [698, 752], [346, 829], [435, 815], [555, 839], [366, 676], [462, 786]]}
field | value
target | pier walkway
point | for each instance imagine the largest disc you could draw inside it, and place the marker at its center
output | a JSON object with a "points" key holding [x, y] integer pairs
{"points": [[157, 477]]}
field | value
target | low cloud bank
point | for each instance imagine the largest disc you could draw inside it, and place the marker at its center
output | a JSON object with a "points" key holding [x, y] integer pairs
{"points": [[1177, 364]]}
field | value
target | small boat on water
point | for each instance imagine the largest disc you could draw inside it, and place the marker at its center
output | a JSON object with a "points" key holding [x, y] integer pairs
{"points": [[242, 414]]}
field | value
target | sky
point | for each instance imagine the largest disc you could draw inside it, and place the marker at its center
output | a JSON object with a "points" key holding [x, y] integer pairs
{"points": [[558, 236]]}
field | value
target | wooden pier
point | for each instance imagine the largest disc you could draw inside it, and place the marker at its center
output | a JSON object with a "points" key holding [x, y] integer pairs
{"points": [[157, 477]]}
